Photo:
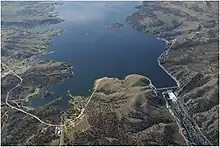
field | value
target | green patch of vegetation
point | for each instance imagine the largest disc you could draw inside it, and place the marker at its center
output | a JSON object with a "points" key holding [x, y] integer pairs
{"points": [[70, 94], [76, 104]]}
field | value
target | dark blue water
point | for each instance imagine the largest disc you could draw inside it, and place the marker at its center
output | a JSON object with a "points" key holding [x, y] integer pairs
{"points": [[96, 52]]}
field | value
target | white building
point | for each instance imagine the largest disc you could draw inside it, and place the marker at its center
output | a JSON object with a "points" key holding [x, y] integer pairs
{"points": [[171, 95], [57, 131]]}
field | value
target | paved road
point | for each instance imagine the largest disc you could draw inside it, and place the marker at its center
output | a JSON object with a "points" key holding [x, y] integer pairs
{"points": [[183, 120], [176, 119], [195, 136], [167, 88], [43, 122], [164, 88], [96, 85], [8, 93], [61, 132], [192, 129], [166, 52]]}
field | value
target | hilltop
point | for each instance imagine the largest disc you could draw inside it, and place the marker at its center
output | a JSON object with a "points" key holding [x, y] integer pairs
{"points": [[125, 112]]}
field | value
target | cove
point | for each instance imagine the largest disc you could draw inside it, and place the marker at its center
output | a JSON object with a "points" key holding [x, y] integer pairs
{"points": [[96, 52]]}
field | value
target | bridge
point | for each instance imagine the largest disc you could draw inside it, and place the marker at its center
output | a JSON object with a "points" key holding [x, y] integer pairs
{"points": [[167, 88]]}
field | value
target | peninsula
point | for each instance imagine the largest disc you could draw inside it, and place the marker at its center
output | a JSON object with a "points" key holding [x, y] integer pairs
{"points": [[126, 111]]}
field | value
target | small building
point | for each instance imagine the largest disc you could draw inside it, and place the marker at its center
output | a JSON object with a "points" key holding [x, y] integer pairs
{"points": [[171, 95], [57, 131]]}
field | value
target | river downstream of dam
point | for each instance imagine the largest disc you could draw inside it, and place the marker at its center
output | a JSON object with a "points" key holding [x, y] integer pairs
{"points": [[95, 51]]}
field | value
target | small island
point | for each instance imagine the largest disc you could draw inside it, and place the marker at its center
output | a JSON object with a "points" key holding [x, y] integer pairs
{"points": [[115, 25]]}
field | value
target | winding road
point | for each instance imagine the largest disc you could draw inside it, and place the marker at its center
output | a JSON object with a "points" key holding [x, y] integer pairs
{"points": [[195, 135], [34, 116], [166, 52], [176, 119], [8, 93], [190, 126]]}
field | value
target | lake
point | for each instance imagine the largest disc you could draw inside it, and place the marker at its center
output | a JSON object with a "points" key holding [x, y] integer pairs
{"points": [[96, 52]]}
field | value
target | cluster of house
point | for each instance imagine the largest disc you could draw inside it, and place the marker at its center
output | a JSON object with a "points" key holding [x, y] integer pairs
{"points": [[57, 131]]}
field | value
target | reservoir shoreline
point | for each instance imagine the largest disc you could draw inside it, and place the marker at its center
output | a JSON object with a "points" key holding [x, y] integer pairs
{"points": [[158, 60], [114, 52]]}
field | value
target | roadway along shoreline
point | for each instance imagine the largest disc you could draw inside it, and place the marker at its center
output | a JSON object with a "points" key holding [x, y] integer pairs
{"points": [[196, 128], [158, 61], [83, 110], [178, 86], [34, 116], [8, 93]]}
